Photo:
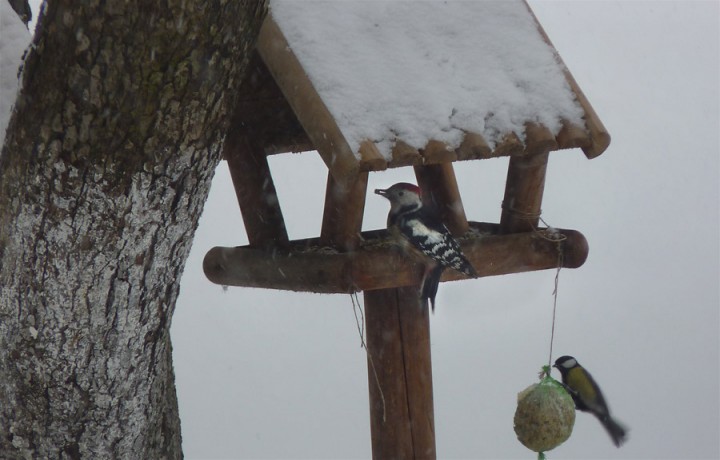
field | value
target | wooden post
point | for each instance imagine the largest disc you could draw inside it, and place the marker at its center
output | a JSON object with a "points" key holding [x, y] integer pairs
{"points": [[438, 183], [399, 375], [343, 214], [255, 191], [523, 193]]}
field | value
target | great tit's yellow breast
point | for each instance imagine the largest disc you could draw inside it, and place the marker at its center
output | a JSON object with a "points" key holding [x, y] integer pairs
{"points": [[578, 380]]}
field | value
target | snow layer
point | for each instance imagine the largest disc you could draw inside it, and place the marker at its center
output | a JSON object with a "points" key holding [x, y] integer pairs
{"points": [[14, 38], [421, 70]]}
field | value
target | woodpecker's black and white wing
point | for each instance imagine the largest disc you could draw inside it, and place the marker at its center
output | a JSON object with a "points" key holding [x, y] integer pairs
{"points": [[429, 235]]}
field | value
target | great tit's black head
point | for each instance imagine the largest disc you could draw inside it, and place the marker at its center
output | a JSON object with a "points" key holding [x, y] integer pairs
{"points": [[565, 363]]}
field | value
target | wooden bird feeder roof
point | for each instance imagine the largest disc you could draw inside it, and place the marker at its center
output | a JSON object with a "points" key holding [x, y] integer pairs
{"points": [[296, 100], [377, 85]]}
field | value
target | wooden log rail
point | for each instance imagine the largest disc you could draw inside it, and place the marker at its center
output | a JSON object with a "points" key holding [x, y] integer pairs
{"points": [[379, 263]]}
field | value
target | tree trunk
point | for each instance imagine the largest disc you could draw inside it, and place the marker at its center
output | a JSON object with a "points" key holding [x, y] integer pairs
{"points": [[106, 166]]}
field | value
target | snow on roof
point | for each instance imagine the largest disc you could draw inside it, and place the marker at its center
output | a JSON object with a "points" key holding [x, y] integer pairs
{"points": [[428, 70]]}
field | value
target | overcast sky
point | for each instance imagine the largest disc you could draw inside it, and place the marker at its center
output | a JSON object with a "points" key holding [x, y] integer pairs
{"points": [[269, 374]]}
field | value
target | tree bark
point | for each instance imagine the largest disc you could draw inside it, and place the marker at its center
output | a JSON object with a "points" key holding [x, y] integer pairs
{"points": [[106, 166]]}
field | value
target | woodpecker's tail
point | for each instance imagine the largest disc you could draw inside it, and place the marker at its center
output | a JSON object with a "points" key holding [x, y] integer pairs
{"points": [[430, 284], [617, 432], [464, 266]]}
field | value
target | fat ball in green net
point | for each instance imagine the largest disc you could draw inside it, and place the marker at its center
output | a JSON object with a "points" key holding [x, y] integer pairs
{"points": [[545, 415]]}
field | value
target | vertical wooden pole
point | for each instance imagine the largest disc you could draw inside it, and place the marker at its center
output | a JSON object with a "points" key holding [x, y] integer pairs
{"points": [[439, 183], [523, 193], [255, 191], [399, 375], [343, 213]]}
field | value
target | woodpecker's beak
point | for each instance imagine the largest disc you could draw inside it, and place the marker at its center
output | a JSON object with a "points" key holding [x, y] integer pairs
{"points": [[380, 192]]}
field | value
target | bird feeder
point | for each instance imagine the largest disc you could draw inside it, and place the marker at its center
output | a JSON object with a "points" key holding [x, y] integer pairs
{"points": [[283, 107]]}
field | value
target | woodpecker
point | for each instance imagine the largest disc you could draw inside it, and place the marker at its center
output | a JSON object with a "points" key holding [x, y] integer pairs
{"points": [[587, 396], [420, 231]]}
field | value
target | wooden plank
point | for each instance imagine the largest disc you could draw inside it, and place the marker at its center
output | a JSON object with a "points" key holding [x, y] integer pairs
{"points": [[302, 96], [510, 145], [599, 136], [380, 264], [402, 422], [538, 139], [404, 155], [572, 136], [473, 146], [437, 152], [370, 157], [343, 214], [524, 188], [440, 190], [255, 191]]}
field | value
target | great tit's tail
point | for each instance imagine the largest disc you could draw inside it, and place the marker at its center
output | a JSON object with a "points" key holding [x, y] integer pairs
{"points": [[617, 432]]}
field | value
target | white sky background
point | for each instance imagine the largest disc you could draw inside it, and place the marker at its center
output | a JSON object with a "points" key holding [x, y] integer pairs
{"points": [[269, 374]]}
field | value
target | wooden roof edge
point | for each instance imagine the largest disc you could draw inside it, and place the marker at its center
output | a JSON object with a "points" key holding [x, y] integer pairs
{"points": [[326, 137], [370, 157], [538, 139], [599, 136], [311, 111]]}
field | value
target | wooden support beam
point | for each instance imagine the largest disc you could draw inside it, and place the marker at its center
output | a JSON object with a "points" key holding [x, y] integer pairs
{"points": [[399, 375], [523, 193], [310, 109], [255, 191], [439, 187], [343, 214], [380, 264]]}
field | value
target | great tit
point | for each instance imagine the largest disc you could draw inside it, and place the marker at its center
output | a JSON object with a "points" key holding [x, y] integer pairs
{"points": [[587, 395]]}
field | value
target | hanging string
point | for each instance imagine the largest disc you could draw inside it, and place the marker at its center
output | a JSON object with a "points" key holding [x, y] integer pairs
{"points": [[549, 234], [360, 322], [555, 296]]}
